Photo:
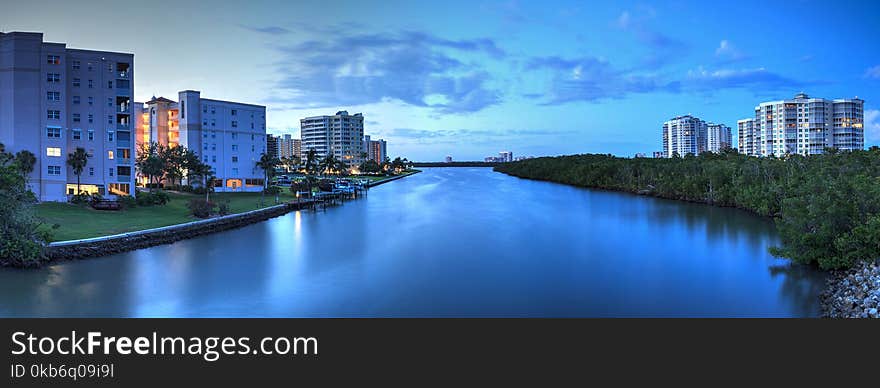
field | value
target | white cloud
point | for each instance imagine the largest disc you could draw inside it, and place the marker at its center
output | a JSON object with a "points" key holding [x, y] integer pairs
{"points": [[726, 51], [873, 72]]}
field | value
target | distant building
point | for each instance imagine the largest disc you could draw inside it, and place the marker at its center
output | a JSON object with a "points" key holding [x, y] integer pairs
{"points": [[717, 137], [658, 154], [518, 158], [684, 135], [228, 136], [640, 155], [340, 134], [448, 159], [505, 156], [272, 146], [803, 125], [749, 139], [55, 99], [289, 148], [376, 150]]}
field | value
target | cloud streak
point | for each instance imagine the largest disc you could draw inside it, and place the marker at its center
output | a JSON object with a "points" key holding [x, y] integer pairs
{"points": [[416, 68]]}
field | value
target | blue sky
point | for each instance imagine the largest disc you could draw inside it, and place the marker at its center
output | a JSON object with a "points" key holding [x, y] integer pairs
{"points": [[471, 78]]}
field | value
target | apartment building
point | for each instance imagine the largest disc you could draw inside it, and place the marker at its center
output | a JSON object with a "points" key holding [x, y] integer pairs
{"points": [[718, 137], [288, 147], [272, 146], [748, 137], [228, 136], [54, 99], [376, 149], [341, 134], [803, 125], [684, 135]]}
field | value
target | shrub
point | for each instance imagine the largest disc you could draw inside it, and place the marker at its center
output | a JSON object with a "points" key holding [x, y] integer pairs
{"points": [[200, 208], [126, 201], [81, 199], [272, 190], [146, 198], [223, 208]]}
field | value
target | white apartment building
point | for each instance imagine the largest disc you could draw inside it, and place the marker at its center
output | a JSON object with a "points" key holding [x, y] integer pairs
{"points": [[804, 125], [341, 134], [228, 136], [748, 137], [684, 135], [718, 137], [54, 99], [376, 149]]}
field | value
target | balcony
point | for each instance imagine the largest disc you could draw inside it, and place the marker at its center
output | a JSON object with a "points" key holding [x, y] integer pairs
{"points": [[122, 126], [123, 178], [123, 109], [123, 161]]}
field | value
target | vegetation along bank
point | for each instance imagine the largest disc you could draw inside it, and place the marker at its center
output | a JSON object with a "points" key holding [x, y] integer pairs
{"points": [[826, 207]]}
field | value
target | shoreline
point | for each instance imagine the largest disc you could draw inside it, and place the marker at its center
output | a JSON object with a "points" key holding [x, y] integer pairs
{"points": [[68, 250], [850, 293]]}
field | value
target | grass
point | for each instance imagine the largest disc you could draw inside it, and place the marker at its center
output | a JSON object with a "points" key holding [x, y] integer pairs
{"points": [[78, 222]]}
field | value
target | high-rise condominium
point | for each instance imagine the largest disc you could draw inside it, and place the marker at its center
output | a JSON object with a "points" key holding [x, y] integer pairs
{"points": [[228, 136], [288, 147], [375, 149], [55, 99], [718, 137], [684, 135], [341, 134], [803, 125]]}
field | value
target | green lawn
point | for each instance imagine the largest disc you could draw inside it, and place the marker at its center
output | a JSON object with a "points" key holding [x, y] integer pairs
{"points": [[78, 222]]}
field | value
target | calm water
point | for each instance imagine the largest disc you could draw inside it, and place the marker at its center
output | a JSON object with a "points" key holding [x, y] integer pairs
{"points": [[446, 242]]}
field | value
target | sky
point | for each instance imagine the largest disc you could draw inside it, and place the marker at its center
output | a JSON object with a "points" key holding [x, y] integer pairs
{"points": [[471, 78]]}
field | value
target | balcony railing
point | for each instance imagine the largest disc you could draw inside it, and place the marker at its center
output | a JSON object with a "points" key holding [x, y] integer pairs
{"points": [[123, 161], [122, 126], [122, 109], [123, 178]]}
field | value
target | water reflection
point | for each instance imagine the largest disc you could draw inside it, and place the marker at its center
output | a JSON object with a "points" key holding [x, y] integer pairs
{"points": [[446, 242]]}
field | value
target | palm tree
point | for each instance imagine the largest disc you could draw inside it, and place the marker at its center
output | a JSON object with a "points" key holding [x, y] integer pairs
{"points": [[77, 160], [330, 164], [26, 161], [311, 161], [268, 163]]}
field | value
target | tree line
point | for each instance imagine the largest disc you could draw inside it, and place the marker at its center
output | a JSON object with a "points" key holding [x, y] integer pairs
{"points": [[826, 207]]}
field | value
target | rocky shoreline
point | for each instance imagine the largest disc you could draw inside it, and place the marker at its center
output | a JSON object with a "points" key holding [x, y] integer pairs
{"points": [[853, 293]]}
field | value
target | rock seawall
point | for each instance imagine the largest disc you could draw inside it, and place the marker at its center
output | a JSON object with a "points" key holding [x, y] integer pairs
{"points": [[853, 293], [101, 246]]}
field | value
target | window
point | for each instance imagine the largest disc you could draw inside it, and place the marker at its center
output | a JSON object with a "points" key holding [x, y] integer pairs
{"points": [[53, 132], [76, 117], [110, 102], [183, 109], [53, 59], [234, 135], [110, 66], [235, 159], [75, 65], [111, 171], [53, 170], [77, 134], [53, 77], [91, 118], [123, 170], [205, 109], [91, 84], [110, 155], [234, 125], [53, 151], [214, 147], [76, 100], [109, 135], [91, 171], [91, 134], [91, 100], [53, 114], [214, 158], [109, 119], [235, 171], [53, 96], [91, 67], [252, 137], [213, 123], [235, 147], [233, 112], [213, 110], [109, 84], [76, 83]]}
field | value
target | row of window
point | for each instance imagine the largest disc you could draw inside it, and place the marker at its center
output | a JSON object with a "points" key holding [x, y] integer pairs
{"points": [[118, 170], [76, 134]]}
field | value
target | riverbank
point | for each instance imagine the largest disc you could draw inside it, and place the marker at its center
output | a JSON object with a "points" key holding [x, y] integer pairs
{"points": [[853, 293], [826, 207], [107, 245], [393, 178]]}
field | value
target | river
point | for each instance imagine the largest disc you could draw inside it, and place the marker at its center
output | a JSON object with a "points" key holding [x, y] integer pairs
{"points": [[448, 242]]}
